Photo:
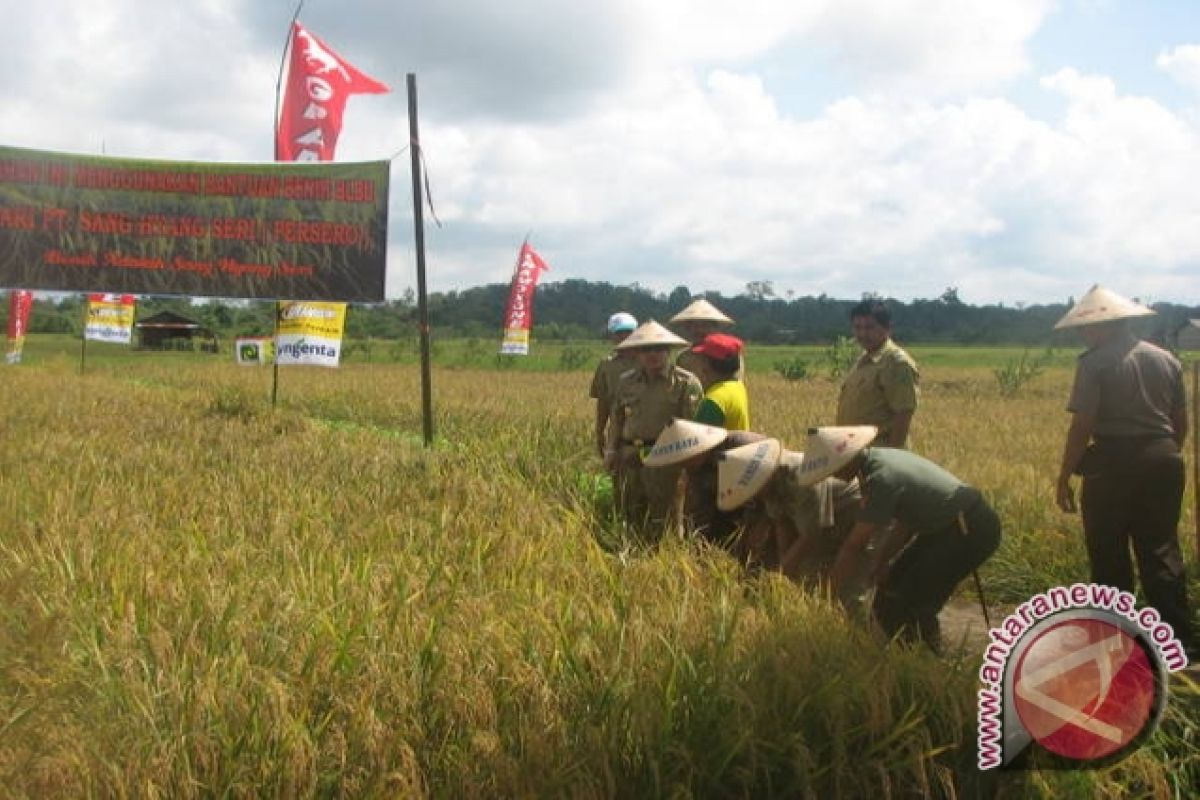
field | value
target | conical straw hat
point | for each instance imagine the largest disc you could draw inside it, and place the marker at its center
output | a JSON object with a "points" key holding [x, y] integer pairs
{"points": [[651, 334], [701, 311], [744, 471], [681, 440], [1101, 305], [830, 449]]}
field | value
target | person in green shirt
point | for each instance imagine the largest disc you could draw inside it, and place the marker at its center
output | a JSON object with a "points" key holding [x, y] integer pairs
{"points": [[945, 527], [725, 402]]}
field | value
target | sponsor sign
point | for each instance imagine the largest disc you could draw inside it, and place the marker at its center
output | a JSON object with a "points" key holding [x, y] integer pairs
{"points": [[89, 223], [253, 350], [110, 318], [310, 333], [518, 313]]}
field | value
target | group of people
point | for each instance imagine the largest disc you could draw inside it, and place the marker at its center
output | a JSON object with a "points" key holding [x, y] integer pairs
{"points": [[855, 509]]}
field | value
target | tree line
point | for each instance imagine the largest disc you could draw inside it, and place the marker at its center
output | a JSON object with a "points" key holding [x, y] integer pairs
{"points": [[577, 309]]}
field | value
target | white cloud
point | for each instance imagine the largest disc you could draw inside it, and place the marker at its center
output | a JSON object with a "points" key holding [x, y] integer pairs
{"points": [[1183, 64], [641, 142]]}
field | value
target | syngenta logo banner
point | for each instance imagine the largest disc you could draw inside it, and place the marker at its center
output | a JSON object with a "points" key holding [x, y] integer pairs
{"points": [[1075, 677], [310, 333]]}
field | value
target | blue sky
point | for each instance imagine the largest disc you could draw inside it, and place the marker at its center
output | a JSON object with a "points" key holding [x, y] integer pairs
{"points": [[1019, 150]]}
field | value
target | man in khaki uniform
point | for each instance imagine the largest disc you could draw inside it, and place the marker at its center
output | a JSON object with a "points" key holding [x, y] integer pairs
{"points": [[1128, 425], [881, 389], [647, 398], [608, 372], [697, 321]]}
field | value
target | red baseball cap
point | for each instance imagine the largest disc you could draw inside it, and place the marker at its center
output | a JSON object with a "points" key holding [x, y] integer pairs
{"points": [[719, 346]]}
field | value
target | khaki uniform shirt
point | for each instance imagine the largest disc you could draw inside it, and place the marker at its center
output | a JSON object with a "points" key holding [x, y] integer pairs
{"points": [[608, 372], [1131, 387], [698, 366], [880, 385], [644, 404]]}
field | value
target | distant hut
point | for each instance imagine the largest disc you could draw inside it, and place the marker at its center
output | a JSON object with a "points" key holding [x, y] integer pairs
{"points": [[1188, 335], [167, 330]]}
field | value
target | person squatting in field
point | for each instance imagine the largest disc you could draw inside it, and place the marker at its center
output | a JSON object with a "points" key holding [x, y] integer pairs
{"points": [[608, 373], [1128, 426], [942, 528], [789, 525], [726, 403], [695, 322], [695, 448], [742, 495], [881, 388], [647, 398]]}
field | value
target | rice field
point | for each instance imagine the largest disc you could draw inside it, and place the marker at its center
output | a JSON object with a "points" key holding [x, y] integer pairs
{"points": [[202, 595]]}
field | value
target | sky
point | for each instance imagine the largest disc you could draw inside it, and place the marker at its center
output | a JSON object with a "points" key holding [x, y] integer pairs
{"points": [[1016, 150]]}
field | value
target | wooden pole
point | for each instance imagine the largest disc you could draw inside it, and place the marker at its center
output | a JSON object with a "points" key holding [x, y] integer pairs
{"points": [[275, 358], [1196, 453], [414, 150], [279, 78], [83, 337]]}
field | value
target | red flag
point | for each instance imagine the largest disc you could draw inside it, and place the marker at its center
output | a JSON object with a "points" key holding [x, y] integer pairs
{"points": [[19, 303], [319, 83], [518, 314]]}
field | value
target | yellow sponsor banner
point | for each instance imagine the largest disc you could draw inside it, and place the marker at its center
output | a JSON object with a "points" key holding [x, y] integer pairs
{"points": [[516, 342], [110, 318], [310, 333], [326, 320]]}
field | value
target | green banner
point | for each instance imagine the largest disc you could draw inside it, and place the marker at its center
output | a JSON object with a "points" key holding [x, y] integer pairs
{"points": [[272, 231]]}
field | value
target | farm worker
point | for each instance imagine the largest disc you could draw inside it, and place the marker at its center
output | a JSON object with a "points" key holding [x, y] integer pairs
{"points": [[697, 321], [725, 402], [646, 399], [1127, 428], [608, 371], [789, 526], [881, 388], [948, 527], [696, 447]]}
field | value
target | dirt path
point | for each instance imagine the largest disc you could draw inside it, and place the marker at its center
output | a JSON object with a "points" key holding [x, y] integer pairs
{"points": [[963, 626]]}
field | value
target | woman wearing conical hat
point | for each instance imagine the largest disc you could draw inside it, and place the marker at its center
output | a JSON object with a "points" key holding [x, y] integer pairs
{"points": [[1128, 424], [646, 399], [696, 321]]}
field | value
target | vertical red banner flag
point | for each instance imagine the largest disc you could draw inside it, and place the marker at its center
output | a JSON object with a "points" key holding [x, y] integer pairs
{"points": [[318, 85], [20, 301], [518, 314]]}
